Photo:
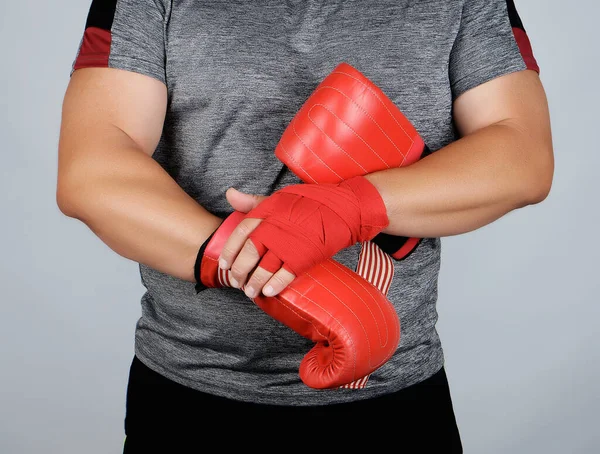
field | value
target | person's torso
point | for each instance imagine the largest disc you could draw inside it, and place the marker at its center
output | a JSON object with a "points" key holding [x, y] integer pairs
{"points": [[237, 72]]}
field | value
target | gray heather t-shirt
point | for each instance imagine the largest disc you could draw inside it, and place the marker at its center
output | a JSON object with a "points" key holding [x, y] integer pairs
{"points": [[236, 73]]}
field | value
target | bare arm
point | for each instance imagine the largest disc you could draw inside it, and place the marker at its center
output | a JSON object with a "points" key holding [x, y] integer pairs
{"points": [[112, 121], [502, 162]]}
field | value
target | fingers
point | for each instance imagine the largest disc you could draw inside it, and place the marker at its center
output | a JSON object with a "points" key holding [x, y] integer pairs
{"points": [[246, 261], [267, 283], [238, 241], [240, 201], [278, 282], [242, 258], [257, 281]]}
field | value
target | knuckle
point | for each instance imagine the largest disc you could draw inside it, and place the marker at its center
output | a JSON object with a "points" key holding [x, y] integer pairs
{"points": [[226, 252], [249, 248], [237, 272], [260, 278], [279, 282], [244, 229]]}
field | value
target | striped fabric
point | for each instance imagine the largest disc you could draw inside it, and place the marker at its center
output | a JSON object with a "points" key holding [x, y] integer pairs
{"points": [[224, 277]]}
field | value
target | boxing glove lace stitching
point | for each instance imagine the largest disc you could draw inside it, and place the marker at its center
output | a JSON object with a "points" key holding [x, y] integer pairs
{"points": [[333, 350], [337, 144], [379, 306], [381, 344], [291, 158], [356, 133], [316, 155], [386, 108]]}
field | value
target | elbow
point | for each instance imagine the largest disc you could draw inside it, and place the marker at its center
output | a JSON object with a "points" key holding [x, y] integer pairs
{"points": [[76, 186], [69, 191], [539, 192], [65, 197], [540, 183]]}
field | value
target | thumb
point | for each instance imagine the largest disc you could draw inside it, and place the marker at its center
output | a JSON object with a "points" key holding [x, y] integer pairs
{"points": [[240, 201]]}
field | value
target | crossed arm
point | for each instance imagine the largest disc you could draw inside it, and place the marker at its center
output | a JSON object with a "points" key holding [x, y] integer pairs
{"points": [[112, 121]]}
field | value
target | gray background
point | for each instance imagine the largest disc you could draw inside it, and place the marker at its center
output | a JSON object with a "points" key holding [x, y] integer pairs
{"points": [[518, 299]]}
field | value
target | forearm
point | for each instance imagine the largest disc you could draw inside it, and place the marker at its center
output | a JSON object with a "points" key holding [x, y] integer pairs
{"points": [[134, 206], [465, 185]]}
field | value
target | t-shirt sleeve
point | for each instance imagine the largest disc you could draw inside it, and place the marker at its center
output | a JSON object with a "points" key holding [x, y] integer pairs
{"points": [[125, 34], [521, 37], [486, 45]]}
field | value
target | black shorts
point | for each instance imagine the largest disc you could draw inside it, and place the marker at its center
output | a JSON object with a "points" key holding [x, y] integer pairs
{"points": [[165, 417]]}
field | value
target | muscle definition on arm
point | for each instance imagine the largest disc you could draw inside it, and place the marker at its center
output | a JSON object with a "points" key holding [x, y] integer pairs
{"points": [[503, 161], [112, 121]]}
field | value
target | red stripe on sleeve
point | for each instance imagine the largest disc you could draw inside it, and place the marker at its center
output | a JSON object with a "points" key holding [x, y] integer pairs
{"points": [[95, 49], [526, 49]]}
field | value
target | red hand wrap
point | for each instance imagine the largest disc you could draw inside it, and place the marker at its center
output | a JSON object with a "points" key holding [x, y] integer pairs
{"points": [[268, 260], [306, 224]]}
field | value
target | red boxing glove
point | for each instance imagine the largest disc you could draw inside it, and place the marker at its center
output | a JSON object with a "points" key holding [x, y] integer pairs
{"points": [[354, 326], [349, 127], [305, 224]]}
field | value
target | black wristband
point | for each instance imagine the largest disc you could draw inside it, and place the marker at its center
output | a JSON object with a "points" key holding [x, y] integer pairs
{"points": [[198, 265], [391, 244]]}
